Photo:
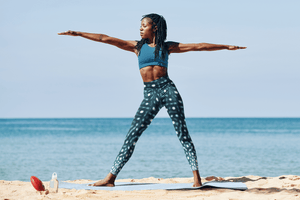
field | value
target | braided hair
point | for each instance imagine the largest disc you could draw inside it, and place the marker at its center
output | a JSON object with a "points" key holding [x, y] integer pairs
{"points": [[160, 35]]}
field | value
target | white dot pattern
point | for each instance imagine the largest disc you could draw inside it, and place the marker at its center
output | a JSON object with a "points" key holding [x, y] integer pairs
{"points": [[157, 94]]}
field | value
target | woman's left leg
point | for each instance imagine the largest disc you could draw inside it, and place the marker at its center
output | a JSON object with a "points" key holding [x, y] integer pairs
{"points": [[174, 104]]}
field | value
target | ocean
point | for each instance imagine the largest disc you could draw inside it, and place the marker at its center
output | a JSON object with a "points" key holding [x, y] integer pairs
{"points": [[86, 148]]}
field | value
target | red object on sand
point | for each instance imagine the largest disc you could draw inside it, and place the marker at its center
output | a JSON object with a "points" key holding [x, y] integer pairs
{"points": [[37, 183]]}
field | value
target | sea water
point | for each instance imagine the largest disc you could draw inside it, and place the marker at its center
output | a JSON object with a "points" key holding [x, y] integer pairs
{"points": [[86, 148]]}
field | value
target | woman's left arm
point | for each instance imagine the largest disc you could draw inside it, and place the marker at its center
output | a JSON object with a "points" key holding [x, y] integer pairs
{"points": [[181, 48]]}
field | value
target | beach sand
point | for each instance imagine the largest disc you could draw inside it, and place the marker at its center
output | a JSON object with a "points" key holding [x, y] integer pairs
{"points": [[282, 187]]}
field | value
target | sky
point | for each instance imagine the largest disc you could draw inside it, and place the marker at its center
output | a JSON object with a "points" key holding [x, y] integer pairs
{"points": [[45, 75]]}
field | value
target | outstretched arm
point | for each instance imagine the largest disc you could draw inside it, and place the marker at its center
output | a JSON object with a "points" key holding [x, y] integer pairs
{"points": [[181, 48], [122, 44]]}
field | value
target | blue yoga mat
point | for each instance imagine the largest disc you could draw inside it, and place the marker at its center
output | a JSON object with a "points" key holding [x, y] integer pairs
{"points": [[129, 186]]}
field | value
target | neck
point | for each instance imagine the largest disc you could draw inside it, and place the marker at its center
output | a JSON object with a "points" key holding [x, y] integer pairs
{"points": [[152, 42]]}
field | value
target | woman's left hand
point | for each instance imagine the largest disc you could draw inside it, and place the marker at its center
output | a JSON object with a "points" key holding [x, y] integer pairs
{"points": [[235, 47]]}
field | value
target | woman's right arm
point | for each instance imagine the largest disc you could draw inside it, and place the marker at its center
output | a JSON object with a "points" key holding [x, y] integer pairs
{"points": [[122, 44]]}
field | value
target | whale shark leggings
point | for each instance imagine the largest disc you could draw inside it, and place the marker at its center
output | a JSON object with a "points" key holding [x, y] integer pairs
{"points": [[157, 93]]}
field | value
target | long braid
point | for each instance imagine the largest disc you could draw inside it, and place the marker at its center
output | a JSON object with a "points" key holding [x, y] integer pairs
{"points": [[160, 35]]}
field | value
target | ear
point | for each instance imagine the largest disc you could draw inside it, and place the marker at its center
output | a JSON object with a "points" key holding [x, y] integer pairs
{"points": [[155, 29]]}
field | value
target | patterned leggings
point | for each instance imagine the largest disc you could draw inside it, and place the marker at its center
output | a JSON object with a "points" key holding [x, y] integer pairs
{"points": [[157, 93]]}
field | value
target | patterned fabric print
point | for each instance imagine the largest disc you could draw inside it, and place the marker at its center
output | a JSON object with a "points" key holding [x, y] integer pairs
{"points": [[158, 93]]}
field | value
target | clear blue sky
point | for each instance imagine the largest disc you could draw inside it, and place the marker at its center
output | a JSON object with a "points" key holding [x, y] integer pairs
{"points": [[46, 75]]}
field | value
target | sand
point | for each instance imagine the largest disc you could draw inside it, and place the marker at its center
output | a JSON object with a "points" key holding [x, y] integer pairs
{"points": [[282, 187]]}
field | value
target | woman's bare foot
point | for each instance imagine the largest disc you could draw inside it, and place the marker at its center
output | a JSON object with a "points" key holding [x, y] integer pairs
{"points": [[197, 179], [108, 181]]}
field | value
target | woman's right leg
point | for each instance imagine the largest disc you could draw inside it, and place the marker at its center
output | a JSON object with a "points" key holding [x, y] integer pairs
{"points": [[146, 112], [139, 124]]}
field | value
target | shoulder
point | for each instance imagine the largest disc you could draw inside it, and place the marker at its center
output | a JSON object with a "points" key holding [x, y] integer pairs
{"points": [[171, 45], [132, 42], [176, 47]]}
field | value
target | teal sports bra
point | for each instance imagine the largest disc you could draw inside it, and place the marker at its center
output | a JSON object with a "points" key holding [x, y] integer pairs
{"points": [[147, 57]]}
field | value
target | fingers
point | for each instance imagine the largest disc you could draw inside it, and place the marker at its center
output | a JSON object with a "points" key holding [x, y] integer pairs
{"points": [[63, 33], [67, 32], [73, 33], [236, 47]]}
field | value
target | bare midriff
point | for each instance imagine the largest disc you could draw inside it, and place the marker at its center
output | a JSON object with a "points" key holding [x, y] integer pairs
{"points": [[153, 72]]}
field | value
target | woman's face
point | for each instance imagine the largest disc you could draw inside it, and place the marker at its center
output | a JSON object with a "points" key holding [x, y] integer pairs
{"points": [[146, 30]]}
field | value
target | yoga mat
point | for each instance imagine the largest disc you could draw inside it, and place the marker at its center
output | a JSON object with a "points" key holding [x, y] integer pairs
{"points": [[129, 186]]}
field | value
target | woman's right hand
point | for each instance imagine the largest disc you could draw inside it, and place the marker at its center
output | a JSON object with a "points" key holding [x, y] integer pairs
{"points": [[126, 45], [72, 33]]}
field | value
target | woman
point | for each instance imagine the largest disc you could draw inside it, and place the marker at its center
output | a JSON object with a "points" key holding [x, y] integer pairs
{"points": [[153, 52]]}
